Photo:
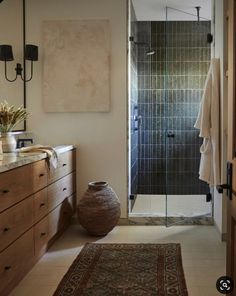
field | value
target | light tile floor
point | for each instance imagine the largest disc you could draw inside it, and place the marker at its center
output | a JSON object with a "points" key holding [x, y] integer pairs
{"points": [[202, 251]]}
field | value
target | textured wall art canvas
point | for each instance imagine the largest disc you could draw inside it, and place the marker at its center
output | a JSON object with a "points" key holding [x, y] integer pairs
{"points": [[76, 66]]}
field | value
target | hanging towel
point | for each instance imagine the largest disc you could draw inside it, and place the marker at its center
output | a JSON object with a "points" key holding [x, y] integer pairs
{"points": [[52, 156], [208, 122]]}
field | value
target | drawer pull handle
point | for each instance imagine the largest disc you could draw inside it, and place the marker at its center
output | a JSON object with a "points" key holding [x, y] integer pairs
{"points": [[43, 233], [5, 191], [41, 175], [7, 267], [64, 189], [42, 204], [64, 164], [6, 229]]}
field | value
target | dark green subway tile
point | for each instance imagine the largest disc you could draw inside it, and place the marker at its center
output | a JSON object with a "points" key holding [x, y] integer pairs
{"points": [[169, 94]]}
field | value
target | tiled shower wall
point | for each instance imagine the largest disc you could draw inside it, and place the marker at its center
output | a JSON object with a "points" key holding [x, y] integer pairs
{"points": [[170, 86], [133, 106]]}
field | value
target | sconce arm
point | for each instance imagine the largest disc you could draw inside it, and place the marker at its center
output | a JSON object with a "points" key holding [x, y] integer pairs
{"points": [[31, 73], [6, 74]]}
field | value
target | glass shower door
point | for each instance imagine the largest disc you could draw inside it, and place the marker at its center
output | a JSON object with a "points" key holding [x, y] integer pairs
{"points": [[187, 59]]}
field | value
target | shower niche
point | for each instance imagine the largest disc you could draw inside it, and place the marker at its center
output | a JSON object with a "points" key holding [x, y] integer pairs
{"points": [[169, 58]]}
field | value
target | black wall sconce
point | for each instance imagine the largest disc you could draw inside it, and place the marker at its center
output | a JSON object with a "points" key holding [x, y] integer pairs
{"points": [[6, 55]]}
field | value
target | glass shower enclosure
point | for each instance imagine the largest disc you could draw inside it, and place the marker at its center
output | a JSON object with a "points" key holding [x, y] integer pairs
{"points": [[169, 61]]}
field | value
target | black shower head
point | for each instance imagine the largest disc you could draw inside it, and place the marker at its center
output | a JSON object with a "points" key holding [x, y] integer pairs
{"points": [[198, 12]]}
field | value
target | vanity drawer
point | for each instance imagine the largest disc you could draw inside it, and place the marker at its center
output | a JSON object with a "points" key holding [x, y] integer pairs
{"points": [[60, 217], [40, 204], [15, 221], [41, 237], [15, 261], [66, 165], [15, 185], [59, 190], [39, 173]]}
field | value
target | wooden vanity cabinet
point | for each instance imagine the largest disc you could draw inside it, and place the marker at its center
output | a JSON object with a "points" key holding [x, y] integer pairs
{"points": [[16, 261], [36, 205], [66, 165], [40, 200], [15, 221]]}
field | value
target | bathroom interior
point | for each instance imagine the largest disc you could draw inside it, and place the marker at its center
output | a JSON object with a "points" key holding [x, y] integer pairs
{"points": [[152, 57], [170, 53]]}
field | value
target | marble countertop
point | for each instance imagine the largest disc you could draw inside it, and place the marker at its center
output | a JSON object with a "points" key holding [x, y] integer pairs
{"points": [[10, 161]]}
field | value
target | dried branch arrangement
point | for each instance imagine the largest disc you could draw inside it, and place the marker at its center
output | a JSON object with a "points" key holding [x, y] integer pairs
{"points": [[10, 117]]}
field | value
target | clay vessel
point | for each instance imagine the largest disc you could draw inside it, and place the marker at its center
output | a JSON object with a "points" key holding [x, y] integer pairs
{"points": [[99, 209]]}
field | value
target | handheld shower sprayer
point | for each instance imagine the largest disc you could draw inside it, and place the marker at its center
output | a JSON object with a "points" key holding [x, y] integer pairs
{"points": [[149, 51]]}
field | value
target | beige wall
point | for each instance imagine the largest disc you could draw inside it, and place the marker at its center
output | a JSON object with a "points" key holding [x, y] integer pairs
{"points": [[101, 137], [221, 52], [11, 18]]}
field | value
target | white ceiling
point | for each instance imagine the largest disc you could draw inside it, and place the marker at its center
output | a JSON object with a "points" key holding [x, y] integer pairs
{"points": [[155, 10]]}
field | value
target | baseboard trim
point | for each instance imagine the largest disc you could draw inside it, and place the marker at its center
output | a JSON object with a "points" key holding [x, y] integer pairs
{"points": [[223, 236]]}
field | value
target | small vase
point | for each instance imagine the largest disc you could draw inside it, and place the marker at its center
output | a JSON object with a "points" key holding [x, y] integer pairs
{"points": [[8, 142], [99, 209]]}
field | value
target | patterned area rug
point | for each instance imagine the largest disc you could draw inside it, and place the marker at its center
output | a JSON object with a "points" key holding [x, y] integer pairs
{"points": [[125, 269]]}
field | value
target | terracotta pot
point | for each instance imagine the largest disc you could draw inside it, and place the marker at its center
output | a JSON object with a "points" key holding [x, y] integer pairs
{"points": [[99, 209], [8, 142]]}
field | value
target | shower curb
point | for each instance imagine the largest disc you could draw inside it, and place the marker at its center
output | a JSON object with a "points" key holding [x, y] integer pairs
{"points": [[163, 221]]}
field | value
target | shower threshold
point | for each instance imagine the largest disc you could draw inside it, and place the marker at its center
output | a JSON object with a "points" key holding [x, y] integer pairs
{"points": [[171, 209], [169, 221], [175, 207]]}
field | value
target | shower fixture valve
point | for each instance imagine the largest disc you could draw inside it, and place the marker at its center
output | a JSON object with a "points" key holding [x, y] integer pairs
{"points": [[170, 134], [137, 122]]}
